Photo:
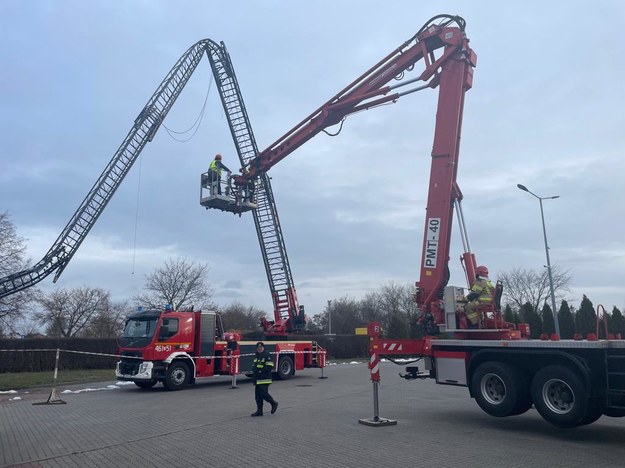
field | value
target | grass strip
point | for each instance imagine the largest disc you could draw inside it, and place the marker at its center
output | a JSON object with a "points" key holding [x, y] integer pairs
{"points": [[21, 380]]}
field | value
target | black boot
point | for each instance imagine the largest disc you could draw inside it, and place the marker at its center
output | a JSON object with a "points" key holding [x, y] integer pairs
{"points": [[274, 406], [259, 410]]}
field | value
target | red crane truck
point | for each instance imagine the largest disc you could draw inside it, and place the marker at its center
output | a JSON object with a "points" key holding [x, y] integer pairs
{"points": [[570, 382], [178, 347]]}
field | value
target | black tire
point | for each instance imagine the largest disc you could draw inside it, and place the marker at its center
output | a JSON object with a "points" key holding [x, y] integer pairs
{"points": [[596, 406], [500, 390], [560, 397], [177, 376], [614, 412], [524, 400], [145, 383], [285, 368]]}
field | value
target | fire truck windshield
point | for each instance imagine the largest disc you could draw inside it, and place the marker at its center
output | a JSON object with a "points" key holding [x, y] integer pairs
{"points": [[140, 327]]}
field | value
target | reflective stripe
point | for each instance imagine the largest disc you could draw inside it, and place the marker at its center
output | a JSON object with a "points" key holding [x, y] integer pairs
{"points": [[270, 363], [472, 315], [263, 382], [485, 290]]}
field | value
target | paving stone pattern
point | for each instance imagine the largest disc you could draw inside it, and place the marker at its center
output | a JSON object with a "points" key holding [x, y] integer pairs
{"points": [[316, 425]]}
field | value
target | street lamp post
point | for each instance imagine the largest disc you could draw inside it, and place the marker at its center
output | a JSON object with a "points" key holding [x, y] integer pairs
{"points": [[542, 217], [329, 318]]}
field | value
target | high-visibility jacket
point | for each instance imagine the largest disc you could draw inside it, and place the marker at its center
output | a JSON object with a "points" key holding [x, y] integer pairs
{"points": [[217, 166], [484, 288], [481, 294], [262, 368]]}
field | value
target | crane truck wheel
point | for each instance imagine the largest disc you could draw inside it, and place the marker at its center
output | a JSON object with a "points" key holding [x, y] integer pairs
{"points": [[614, 412], [500, 390], [560, 397], [524, 401], [596, 406], [285, 368], [177, 376], [145, 383]]}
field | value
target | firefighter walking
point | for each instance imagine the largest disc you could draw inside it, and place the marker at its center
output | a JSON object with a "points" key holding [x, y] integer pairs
{"points": [[262, 369]]}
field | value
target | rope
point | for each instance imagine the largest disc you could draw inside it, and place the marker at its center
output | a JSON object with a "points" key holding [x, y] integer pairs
{"points": [[140, 358], [195, 124]]}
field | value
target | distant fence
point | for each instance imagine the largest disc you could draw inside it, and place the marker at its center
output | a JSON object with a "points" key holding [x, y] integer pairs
{"points": [[38, 354]]}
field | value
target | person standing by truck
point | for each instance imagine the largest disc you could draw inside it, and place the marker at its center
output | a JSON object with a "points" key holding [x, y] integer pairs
{"points": [[262, 369]]}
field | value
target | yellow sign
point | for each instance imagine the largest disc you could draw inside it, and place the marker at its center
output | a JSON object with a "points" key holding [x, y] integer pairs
{"points": [[361, 331]]}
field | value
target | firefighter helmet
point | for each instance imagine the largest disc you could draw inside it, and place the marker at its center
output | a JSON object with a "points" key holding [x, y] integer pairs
{"points": [[481, 271], [218, 157]]}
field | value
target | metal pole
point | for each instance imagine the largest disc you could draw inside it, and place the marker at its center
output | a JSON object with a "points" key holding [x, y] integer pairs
{"points": [[542, 217], [56, 365], [376, 408], [553, 296], [329, 318]]}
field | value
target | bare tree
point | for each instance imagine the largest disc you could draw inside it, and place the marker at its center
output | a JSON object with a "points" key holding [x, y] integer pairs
{"points": [[523, 286], [343, 315], [371, 308], [399, 309], [12, 259], [241, 318], [109, 322], [66, 312], [179, 282]]}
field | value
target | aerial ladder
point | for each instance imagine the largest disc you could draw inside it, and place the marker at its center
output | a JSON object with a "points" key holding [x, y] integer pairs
{"points": [[143, 131], [255, 196]]}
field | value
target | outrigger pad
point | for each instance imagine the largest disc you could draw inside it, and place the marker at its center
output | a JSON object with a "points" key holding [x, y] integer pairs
{"points": [[377, 421]]}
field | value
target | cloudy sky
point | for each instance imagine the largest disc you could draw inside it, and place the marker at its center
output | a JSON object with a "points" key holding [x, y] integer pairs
{"points": [[546, 110]]}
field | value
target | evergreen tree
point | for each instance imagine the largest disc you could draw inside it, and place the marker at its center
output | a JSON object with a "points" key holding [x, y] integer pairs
{"points": [[529, 316], [508, 315], [549, 326], [616, 322], [566, 320], [586, 319]]}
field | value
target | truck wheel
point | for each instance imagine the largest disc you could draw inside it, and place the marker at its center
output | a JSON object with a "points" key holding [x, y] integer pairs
{"points": [[145, 383], [177, 376], [524, 401], [500, 390], [285, 368], [560, 396], [594, 411], [614, 412]]}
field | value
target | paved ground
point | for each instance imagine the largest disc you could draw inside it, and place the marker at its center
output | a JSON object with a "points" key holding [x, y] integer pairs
{"points": [[316, 425]]}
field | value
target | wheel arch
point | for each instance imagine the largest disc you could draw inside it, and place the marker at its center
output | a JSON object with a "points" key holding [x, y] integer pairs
{"points": [[184, 357], [279, 357]]}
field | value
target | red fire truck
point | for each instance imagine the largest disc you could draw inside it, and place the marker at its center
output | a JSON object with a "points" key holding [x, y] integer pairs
{"points": [[178, 347]]}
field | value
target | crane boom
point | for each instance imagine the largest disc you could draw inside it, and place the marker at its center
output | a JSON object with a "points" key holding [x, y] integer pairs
{"points": [[441, 44]]}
